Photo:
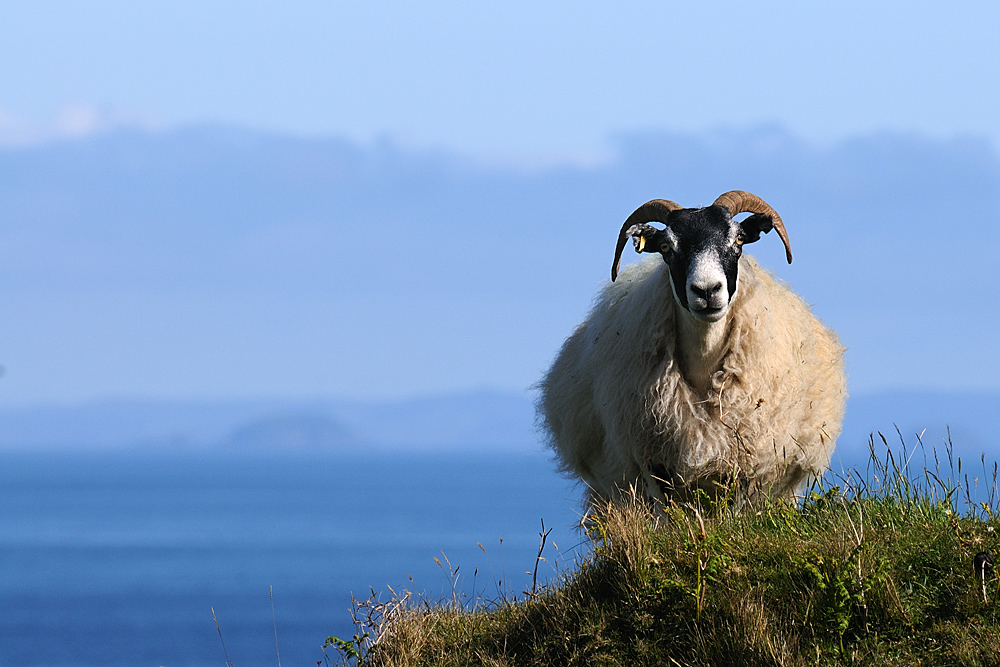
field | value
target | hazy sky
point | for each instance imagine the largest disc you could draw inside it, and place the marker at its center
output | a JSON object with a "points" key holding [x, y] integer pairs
{"points": [[528, 80], [514, 82]]}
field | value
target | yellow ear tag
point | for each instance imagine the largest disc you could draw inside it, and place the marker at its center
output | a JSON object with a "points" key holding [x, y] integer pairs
{"points": [[642, 243]]}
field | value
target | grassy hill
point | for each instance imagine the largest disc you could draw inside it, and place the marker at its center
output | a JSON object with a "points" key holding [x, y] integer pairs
{"points": [[885, 566]]}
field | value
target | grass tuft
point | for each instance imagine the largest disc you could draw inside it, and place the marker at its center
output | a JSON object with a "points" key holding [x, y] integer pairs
{"points": [[890, 565]]}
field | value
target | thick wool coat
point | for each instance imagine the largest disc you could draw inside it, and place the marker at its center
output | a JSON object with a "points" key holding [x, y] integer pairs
{"points": [[619, 411]]}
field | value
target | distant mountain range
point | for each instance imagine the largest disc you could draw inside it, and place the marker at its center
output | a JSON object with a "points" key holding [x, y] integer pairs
{"points": [[479, 421]]}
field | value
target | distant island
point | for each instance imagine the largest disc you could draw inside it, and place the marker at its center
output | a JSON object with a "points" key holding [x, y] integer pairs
{"points": [[482, 420]]}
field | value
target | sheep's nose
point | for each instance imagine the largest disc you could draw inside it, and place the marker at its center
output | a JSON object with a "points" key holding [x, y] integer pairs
{"points": [[706, 291]]}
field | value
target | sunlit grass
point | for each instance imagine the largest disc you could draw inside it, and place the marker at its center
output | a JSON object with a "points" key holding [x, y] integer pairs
{"points": [[888, 565]]}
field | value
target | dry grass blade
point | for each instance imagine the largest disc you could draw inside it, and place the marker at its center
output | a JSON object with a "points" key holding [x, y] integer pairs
{"points": [[229, 663]]}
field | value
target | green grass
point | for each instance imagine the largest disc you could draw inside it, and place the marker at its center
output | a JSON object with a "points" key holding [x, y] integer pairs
{"points": [[875, 569]]}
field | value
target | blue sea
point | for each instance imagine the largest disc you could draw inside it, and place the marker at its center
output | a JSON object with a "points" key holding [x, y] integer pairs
{"points": [[119, 558]]}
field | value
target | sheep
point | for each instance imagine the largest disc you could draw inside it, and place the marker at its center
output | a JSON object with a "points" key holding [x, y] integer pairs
{"points": [[699, 370]]}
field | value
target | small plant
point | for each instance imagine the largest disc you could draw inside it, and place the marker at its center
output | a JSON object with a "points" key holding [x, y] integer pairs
{"points": [[350, 649]]}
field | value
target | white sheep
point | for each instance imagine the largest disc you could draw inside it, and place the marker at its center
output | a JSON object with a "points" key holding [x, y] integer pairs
{"points": [[696, 368]]}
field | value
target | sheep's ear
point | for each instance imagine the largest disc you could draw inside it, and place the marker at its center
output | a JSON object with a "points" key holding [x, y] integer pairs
{"points": [[752, 227], [646, 238]]}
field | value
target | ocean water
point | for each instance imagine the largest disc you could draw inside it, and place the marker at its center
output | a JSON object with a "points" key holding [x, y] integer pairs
{"points": [[119, 558]]}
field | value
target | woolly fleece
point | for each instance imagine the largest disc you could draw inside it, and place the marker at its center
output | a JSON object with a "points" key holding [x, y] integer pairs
{"points": [[619, 412]]}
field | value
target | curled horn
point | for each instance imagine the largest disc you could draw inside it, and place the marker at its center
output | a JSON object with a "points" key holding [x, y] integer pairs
{"points": [[656, 210], [738, 201]]}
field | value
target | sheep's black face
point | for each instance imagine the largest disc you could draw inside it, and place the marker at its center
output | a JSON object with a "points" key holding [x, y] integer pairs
{"points": [[702, 248]]}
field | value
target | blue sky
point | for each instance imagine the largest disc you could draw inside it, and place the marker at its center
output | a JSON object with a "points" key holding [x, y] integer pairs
{"points": [[184, 262], [523, 80]]}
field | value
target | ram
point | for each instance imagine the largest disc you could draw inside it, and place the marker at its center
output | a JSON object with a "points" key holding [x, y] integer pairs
{"points": [[696, 368]]}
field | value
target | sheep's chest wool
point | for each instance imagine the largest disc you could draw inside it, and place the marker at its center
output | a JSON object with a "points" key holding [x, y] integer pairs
{"points": [[620, 411]]}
